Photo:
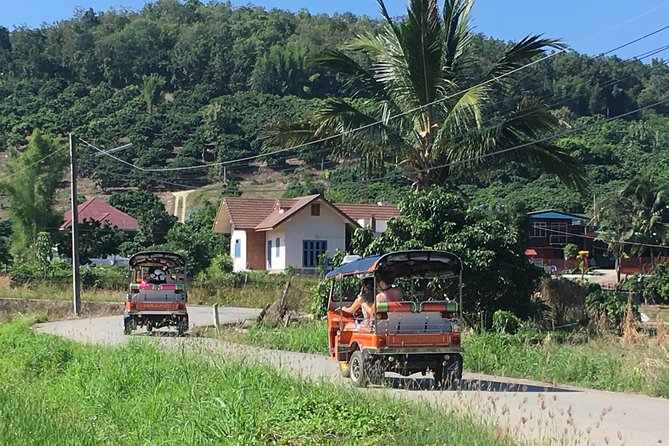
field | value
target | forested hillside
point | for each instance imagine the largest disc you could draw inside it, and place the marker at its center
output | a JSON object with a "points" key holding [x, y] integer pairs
{"points": [[195, 86]]}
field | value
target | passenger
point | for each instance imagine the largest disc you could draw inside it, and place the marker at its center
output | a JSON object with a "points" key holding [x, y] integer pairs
{"points": [[364, 301], [387, 292]]}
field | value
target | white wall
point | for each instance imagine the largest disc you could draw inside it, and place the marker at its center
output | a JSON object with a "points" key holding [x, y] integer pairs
{"points": [[239, 263], [381, 225], [329, 226], [278, 262]]}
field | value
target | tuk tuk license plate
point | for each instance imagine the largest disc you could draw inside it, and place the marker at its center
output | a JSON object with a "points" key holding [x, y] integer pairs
{"points": [[156, 306]]}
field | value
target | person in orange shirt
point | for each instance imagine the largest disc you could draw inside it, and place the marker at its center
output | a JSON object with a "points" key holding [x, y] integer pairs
{"points": [[387, 292]]}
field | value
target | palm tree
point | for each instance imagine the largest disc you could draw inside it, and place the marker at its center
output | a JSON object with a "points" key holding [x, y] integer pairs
{"points": [[650, 212], [416, 77]]}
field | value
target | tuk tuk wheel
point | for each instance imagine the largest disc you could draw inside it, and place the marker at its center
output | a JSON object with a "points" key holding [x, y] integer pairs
{"points": [[357, 368], [182, 328]]}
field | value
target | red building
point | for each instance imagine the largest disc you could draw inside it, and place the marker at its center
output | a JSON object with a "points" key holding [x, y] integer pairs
{"points": [[551, 231]]}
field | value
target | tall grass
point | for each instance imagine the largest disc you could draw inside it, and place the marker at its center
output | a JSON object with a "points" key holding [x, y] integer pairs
{"points": [[304, 338], [58, 392], [596, 362]]}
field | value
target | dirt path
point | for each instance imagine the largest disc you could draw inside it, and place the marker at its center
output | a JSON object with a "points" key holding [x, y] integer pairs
{"points": [[550, 415]]}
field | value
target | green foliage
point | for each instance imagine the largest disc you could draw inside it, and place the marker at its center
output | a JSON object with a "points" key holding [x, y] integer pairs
{"points": [[319, 298], [43, 252], [421, 68], [152, 90], [505, 322], [656, 286], [31, 191], [97, 240], [496, 273], [564, 358], [196, 240], [610, 305], [570, 251]]}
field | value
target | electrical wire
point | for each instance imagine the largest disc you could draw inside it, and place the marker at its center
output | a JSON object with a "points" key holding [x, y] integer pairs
{"points": [[590, 237]]}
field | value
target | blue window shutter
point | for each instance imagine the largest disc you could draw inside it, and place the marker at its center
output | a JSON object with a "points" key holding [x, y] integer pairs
{"points": [[238, 248], [278, 247]]}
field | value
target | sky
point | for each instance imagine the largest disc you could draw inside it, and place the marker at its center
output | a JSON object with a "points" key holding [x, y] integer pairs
{"points": [[588, 26]]}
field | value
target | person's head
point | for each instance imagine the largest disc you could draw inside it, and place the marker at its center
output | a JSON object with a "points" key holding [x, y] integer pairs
{"points": [[387, 277], [367, 285]]}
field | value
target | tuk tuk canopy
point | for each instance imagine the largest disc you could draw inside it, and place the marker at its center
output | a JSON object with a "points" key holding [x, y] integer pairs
{"points": [[417, 263], [169, 259]]}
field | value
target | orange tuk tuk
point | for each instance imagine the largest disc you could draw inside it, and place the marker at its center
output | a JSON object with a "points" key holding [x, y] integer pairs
{"points": [[156, 295], [406, 327]]}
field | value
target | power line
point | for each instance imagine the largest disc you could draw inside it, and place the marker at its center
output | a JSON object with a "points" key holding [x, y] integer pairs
{"points": [[523, 145], [590, 237], [35, 163]]}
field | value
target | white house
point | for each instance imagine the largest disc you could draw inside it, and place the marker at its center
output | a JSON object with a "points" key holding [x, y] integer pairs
{"points": [[272, 234]]}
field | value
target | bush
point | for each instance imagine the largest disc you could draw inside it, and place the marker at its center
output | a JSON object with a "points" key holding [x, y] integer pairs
{"points": [[505, 322], [319, 299], [656, 286], [610, 305]]}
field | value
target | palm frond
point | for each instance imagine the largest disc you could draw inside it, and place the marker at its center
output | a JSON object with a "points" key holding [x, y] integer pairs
{"points": [[340, 62], [457, 30], [423, 48], [522, 53]]}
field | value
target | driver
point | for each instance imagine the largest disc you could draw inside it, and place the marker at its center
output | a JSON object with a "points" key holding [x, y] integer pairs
{"points": [[364, 301]]}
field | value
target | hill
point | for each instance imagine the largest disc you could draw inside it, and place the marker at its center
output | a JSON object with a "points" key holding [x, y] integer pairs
{"points": [[194, 86]]}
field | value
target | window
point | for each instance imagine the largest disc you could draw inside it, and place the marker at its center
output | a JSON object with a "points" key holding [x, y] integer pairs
{"points": [[278, 247], [311, 249], [315, 210], [269, 254], [558, 233], [238, 248], [539, 229]]}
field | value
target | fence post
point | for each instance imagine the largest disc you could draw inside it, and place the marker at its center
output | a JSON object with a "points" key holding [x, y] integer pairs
{"points": [[216, 318]]}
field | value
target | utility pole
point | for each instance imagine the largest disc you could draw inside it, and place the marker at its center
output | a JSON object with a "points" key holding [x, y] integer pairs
{"points": [[76, 285]]}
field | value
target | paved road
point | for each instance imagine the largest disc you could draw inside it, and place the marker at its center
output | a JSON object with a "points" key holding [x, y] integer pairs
{"points": [[552, 415]]}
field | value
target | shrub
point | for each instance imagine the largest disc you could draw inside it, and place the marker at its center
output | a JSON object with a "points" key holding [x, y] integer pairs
{"points": [[505, 322], [656, 286], [319, 299], [610, 305]]}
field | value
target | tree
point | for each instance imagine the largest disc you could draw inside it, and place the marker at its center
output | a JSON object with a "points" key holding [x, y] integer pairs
{"points": [[496, 273], [196, 240], [31, 184], [421, 85], [650, 212], [98, 240], [152, 90], [616, 225]]}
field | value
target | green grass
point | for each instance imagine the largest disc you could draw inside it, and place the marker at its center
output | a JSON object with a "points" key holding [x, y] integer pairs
{"points": [[598, 362], [58, 392], [305, 338]]}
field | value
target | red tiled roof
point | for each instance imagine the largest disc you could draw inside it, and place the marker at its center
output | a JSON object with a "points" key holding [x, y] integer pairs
{"points": [[98, 210], [367, 211], [276, 217], [265, 213], [247, 213]]}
